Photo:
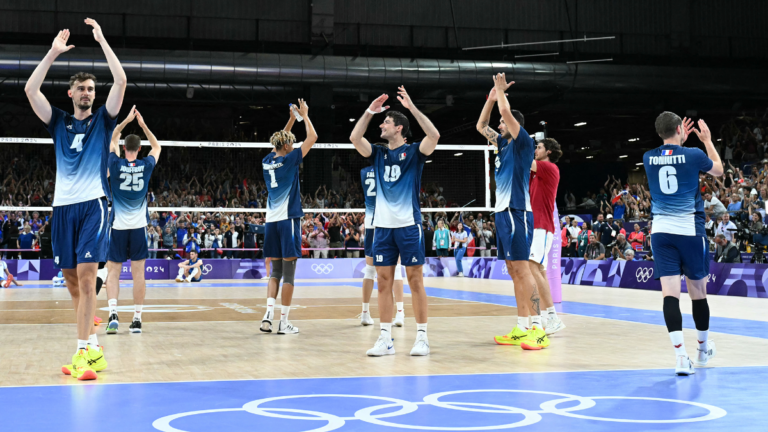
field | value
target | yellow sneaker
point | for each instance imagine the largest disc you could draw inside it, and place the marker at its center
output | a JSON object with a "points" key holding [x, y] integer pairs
{"points": [[96, 361], [80, 368], [536, 340], [512, 338]]}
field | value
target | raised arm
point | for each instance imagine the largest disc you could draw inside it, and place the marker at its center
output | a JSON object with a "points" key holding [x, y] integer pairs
{"points": [[156, 149], [357, 137], [311, 138], [114, 145], [501, 85], [429, 143], [705, 136], [485, 117], [291, 119], [119, 80], [40, 104]]}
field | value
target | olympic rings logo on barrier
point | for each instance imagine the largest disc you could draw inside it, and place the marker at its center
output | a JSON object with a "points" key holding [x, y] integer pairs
{"points": [[322, 268], [367, 414], [644, 274], [207, 269]]}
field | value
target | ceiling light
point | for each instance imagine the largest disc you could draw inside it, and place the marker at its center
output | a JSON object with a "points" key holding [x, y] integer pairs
{"points": [[581, 124], [458, 154], [429, 161], [719, 139], [351, 120], [589, 157], [638, 164], [623, 156], [634, 139], [532, 135]]}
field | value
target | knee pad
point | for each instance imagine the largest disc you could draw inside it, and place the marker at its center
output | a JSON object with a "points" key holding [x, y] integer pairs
{"points": [[399, 272], [101, 276], [277, 270], [289, 270], [701, 314], [369, 272], [672, 315]]}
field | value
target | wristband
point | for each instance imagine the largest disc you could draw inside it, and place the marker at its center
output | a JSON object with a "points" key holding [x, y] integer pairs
{"points": [[369, 111]]}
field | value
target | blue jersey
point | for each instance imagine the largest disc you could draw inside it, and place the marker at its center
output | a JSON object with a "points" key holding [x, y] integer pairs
{"points": [[513, 172], [82, 147], [368, 180], [281, 174], [129, 182], [673, 181], [398, 181]]}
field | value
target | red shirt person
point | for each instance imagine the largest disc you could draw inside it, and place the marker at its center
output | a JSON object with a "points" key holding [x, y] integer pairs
{"points": [[636, 238]]}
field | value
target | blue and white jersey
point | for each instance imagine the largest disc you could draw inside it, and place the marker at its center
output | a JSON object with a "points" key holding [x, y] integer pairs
{"points": [[673, 181], [398, 181], [368, 180], [82, 147], [513, 171], [129, 181], [281, 174]]}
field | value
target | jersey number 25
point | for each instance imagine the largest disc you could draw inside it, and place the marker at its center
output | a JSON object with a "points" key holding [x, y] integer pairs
{"points": [[133, 182]]}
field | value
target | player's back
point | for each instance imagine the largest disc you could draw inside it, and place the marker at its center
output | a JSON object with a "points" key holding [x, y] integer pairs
{"points": [[129, 181], [673, 182], [81, 154], [398, 180], [281, 175], [513, 165], [368, 180]]}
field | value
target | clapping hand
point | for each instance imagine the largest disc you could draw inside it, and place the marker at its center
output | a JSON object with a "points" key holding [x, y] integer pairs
{"points": [[377, 105], [97, 33], [60, 42]]}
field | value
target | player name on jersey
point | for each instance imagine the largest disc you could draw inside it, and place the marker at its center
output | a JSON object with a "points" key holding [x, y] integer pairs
{"points": [[132, 168], [666, 160]]}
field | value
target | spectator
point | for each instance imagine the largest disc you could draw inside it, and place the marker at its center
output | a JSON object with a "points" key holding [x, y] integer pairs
{"points": [[153, 238], [620, 249], [755, 227], [35, 223], [583, 240], [352, 240], [249, 242], [565, 239], [191, 240], [27, 240], [181, 232], [595, 250], [487, 235], [7, 224], [619, 208], [570, 201], [709, 227], [726, 251], [442, 239], [318, 239], [168, 243], [460, 247], [232, 242], [609, 231], [336, 241], [217, 242], [629, 255], [726, 228], [713, 206], [734, 206], [479, 222], [636, 238], [573, 235], [429, 238], [46, 245], [597, 226]]}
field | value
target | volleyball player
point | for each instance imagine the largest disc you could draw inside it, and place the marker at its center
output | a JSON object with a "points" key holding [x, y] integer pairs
{"points": [[514, 215], [282, 238], [397, 216], [80, 211], [679, 243], [6, 278], [129, 180], [544, 179], [368, 180]]}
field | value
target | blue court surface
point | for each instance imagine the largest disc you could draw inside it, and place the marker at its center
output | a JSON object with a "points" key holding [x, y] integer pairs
{"points": [[715, 399]]}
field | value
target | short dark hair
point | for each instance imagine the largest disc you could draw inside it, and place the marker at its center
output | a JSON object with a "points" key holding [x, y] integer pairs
{"points": [[399, 119], [132, 143], [667, 123], [553, 147], [518, 117], [81, 77]]}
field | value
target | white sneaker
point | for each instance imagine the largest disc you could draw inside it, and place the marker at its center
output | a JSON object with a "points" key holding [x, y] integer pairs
{"points": [[399, 319], [285, 327], [179, 279], [365, 319], [265, 278], [383, 346], [684, 366], [266, 323], [705, 356], [421, 346], [553, 325], [460, 274]]}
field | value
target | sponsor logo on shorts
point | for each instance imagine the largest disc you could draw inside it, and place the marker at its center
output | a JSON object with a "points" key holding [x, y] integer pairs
{"points": [[88, 255], [644, 274], [56, 260], [414, 260]]}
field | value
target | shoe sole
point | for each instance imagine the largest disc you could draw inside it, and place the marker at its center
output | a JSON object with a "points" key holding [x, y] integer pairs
{"points": [[419, 355], [685, 373], [112, 330], [135, 331], [398, 323], [366, 323], [87, 375], [505, 344], [66, 371], [525, 346], [548, 332], [382, 355], [266, 329]]}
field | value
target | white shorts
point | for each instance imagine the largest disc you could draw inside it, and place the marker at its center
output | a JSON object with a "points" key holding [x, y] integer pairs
{"points": [[542, 243]]}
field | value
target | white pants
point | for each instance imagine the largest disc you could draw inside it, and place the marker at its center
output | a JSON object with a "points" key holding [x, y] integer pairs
{"points": [[541, 245], [320, 254]]}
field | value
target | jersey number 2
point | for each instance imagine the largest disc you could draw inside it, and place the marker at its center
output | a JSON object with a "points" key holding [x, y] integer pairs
{"points": [[371, 183], [668, 180], [134, 182]]}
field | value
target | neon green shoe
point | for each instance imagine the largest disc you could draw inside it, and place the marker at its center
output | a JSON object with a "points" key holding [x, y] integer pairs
{"points": [[512, 338], [536, 340], [80, 368]]}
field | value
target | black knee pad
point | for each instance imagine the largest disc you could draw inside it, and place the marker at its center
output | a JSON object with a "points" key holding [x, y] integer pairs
{"points": [[701, 314], [289, 270], [99, 281], [672, 315]]}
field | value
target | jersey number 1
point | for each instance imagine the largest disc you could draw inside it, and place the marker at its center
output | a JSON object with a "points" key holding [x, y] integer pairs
{"points": [[134, 182], [274, 179], [668, 180]]}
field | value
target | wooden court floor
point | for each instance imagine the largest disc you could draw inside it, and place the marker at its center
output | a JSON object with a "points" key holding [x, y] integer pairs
{"points": [[210, 332]]}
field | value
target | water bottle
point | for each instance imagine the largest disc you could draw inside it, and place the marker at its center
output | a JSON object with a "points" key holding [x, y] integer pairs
{"points": [[296, 114]]}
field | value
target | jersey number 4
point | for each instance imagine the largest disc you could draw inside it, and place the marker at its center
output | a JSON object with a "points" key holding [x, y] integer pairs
{"points": [[391, 173], [77, 142], [668, 180], [132, 182]]}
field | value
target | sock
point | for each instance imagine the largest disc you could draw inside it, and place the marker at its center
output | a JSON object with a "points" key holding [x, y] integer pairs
{"points": [[399, 307], [137, 312], [284, 310], [678, 343], [271, 307], [387, 327], [522, 322], [93, 341], [366, 307], [112, 306], [536, 321], [81, 344], [421, 328], [551, 312], [702, 337]]}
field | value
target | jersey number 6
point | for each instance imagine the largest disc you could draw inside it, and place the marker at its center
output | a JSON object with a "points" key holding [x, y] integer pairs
{"points": [[668, 180], [133, 182]]}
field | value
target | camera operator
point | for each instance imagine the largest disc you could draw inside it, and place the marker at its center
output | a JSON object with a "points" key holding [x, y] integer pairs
{"points": [[726, 252], [726, 228], [595, 249], [620, 248]]}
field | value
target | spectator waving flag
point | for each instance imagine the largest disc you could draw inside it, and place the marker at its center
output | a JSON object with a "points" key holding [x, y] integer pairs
{"points": [[618, 197], [471, 240]]}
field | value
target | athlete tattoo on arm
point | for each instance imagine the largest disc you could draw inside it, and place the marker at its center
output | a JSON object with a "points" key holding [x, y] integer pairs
{"points": [[488, 132]]}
